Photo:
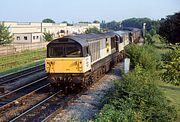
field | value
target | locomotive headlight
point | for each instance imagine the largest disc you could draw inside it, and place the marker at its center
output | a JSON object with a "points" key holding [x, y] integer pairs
{"points": [[80, 64], [50, 62], [80, 69]]}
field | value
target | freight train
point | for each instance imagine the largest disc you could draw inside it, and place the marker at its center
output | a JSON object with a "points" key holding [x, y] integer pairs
{"points": [[79, 60]]}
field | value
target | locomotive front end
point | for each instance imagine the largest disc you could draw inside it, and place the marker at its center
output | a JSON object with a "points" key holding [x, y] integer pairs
{"points": [[67, 61]]}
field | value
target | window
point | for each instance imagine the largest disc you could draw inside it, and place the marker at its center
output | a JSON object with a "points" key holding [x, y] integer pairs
{"points": [[87, 50], [113, 42], [18, 38], [73, 51], [56, 51], [34, 37], [25, 37], [37, 37], [62, 31], [66, 50], [44, 29]]}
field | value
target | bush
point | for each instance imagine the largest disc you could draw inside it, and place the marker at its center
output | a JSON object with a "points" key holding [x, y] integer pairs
{"points": [[48, 36], [144, 56], [171, 65], [137, 98], [92, 30]]}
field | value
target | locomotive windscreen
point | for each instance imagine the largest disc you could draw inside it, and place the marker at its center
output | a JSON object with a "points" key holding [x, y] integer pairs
{"points": [[65, 50]]}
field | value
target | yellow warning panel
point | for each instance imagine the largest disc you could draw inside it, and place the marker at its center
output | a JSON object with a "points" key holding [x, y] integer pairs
{"points": [[64, 65]]}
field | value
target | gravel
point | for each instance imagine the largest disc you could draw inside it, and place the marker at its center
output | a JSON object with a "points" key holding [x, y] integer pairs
{"points": [[90, 102]]}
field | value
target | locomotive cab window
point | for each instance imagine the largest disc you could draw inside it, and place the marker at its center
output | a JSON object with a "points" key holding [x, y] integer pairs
{"points": [[55, 51], [73, 51], [64, 50]]}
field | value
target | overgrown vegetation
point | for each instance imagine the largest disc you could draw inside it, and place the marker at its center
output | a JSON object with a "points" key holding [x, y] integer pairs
{"points": [[144, 56], [5, 36], [137, 96], [171, 65]]}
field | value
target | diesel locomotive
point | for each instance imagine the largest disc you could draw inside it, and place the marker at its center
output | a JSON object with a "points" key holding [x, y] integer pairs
{"points": [[82, 59]]}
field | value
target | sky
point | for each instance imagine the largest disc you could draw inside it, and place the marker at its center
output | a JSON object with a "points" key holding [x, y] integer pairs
{"points": [[85, 10]]}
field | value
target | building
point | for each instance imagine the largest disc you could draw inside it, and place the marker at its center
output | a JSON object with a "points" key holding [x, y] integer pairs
{"points": [[32, 32], [28, 37]]}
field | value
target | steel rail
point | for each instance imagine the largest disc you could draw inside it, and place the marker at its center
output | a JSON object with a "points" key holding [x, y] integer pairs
{"points": [[16, 118], [22, 98], [18, 74], [22, 87]]}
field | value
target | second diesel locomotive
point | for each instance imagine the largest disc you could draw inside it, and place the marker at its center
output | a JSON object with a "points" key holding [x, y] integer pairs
{"points": [[82, 59]]}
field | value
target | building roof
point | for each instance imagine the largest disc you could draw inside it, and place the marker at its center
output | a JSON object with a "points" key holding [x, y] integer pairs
{"points": [[29, 33]]}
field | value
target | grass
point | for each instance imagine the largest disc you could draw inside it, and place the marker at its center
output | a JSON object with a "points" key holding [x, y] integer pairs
{"points": [[14, 62], [173, 94]]}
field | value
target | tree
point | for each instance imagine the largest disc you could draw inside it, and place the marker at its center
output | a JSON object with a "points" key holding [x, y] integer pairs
{"points": [[5, 36], [92, 30], [48, 36], [48, 21], [113, 25], [64, 22], [68, 24], [96, 21], [138, 23], [170, 28], [151, 37]]}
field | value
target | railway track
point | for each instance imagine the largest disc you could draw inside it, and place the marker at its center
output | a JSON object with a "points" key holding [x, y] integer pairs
{"points": [[48, 108], [38, 105], [19, 101], [44, 109], [25, 72], [13, 77], [8, 97]]}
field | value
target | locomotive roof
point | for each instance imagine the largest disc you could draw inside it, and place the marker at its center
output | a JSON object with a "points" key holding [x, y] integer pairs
{"points": [[93, 36], [83, 39], [122, 32], [131, 29]]}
